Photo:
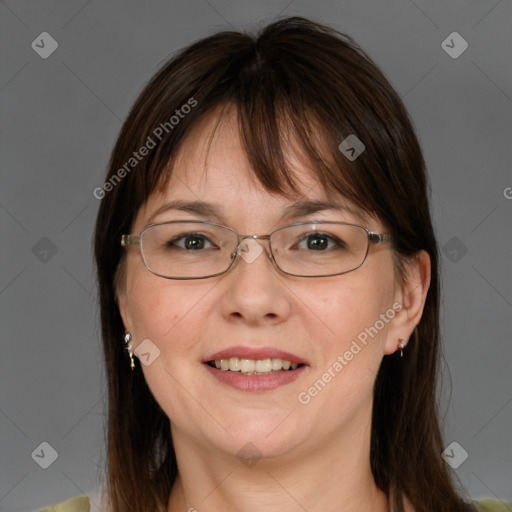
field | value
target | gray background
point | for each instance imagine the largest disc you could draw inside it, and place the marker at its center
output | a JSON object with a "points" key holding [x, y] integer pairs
{"points": [[59, 120]]}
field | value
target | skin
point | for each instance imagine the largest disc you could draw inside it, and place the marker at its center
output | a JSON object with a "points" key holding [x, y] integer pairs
{"points": [[314, 456]]}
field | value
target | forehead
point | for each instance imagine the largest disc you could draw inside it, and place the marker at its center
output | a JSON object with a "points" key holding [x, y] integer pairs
{"points": [[211, 167], [213, 152]]}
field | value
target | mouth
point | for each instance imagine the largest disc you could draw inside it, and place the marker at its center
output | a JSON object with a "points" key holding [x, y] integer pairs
{"points": [[244, 366], [255, 369]]}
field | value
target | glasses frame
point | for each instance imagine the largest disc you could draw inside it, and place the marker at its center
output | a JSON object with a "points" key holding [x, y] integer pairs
{"points": [[131, 240]]}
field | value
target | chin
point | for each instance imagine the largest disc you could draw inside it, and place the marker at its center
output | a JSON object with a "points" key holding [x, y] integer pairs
{"points": [[255, 435]]}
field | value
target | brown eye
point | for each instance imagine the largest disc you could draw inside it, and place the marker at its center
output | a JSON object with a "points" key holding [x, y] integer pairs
{"points": [[317, 243], [320, 242], [191, 242]]}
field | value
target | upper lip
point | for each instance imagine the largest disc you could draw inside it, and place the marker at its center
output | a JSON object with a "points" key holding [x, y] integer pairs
{"points": [[255, 353]]}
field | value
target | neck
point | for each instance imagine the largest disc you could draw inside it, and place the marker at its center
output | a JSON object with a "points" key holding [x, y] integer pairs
{"points": [[335, 475]]}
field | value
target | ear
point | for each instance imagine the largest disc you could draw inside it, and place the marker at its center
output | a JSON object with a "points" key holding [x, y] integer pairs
{"points": [[410, 295], [122, 296], [123, 310]]}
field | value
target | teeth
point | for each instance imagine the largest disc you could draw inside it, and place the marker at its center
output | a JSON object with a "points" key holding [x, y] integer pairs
{"points": [[254, 366], [234, 364], [247, 365], [263, 365], [277, 364]]}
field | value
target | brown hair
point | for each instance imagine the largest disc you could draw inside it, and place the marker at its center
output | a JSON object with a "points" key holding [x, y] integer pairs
{"points": [[299, 75]]}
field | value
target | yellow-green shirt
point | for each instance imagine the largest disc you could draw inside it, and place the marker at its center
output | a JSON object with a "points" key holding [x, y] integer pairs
{"points": [[82, 504], [493, 506], [78, 504]]}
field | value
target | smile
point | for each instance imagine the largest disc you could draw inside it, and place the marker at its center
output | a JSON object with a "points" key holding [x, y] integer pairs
{"points": [[253, 366], [255, 369]]}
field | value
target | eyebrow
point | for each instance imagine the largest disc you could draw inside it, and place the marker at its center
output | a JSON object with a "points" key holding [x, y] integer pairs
{"points": [[200, 208], [303, 208], [295, 210]]}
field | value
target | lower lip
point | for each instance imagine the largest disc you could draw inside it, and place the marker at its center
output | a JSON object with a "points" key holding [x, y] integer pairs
{"points": [[255, 382]]}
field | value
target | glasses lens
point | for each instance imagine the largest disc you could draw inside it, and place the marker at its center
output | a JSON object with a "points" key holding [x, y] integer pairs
{"points": [[319, 249], [184, 249]]}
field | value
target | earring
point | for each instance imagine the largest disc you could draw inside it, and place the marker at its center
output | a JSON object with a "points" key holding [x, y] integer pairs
{"points": [[127, 339], [401, 345]]}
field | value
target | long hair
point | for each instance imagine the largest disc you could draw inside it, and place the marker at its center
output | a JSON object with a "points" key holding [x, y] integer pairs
{"points": [[308, 78]]}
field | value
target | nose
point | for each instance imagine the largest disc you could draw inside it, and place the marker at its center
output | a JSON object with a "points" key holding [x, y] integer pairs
{"points": [[255, 292]]}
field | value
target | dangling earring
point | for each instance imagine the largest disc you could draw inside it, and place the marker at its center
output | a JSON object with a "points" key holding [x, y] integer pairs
{"points": [[127, 339], [401, 346]]}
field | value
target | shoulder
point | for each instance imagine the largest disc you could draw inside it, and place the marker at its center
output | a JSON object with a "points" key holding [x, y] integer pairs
{"points": [[475, 506], [82, 504], [492, 506], [77, 504]]}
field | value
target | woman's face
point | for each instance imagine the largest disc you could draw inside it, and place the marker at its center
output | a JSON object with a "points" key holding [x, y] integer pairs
{"points": [[338, 327]]}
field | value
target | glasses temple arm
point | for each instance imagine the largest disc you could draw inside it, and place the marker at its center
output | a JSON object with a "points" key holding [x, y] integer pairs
{"points": [[379, 238], [130, 240]]}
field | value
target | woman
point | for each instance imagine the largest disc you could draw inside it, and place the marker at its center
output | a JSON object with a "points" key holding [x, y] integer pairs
{"points": [[269, 286]]}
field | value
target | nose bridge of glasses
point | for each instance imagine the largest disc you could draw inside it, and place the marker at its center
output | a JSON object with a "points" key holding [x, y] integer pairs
{"points": [[249, 247], [242, 238]]}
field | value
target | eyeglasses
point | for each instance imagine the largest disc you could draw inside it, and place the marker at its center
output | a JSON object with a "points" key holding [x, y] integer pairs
{"points": [[186, 249]]}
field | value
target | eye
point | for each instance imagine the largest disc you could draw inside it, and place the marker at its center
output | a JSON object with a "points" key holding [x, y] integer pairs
{"points": [[191, 242], [320, 242]]}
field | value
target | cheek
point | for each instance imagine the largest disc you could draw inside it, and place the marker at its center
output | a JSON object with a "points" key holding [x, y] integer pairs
{"points": [[349, 345], [161, 311], [349, 321], [345, 308], [172, 315]]}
